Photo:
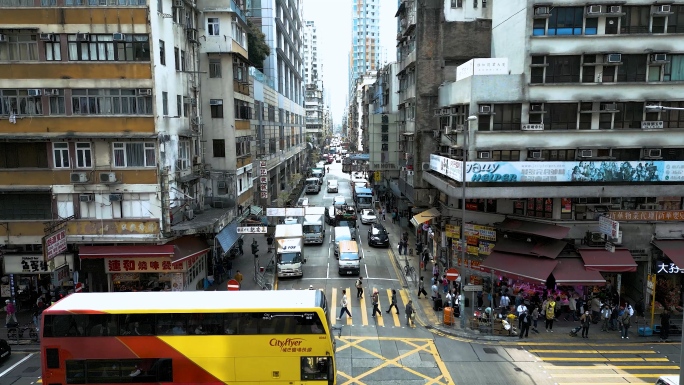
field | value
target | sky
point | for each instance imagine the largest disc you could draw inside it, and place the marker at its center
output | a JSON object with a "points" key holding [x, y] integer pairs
{"points": [[333, 27]]}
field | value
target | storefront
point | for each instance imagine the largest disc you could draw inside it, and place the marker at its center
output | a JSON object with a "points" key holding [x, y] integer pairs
{"points": [[29, 272], [669, 271], [176, 266]]}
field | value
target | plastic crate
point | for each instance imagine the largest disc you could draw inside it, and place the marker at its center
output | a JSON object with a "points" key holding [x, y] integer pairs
{"points": [[645, 331]]}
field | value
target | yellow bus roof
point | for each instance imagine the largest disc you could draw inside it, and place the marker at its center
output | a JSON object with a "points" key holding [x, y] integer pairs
{"points": [[186, 301]]}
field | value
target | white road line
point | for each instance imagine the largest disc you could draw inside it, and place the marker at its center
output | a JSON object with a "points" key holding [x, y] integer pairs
{"points": [[327, 271], [366, 267], [17, 364], [341, 277]]}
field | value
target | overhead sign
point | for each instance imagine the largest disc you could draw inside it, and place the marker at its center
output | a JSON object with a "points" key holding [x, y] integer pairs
{"points": [[608, 226], [485, 66], [251, 230], [142, 265], [647, 215], [285, 211], [552, 172], [54, 244]]}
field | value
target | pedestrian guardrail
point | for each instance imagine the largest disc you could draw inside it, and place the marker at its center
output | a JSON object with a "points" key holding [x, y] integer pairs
{"points": [[20, 334]]}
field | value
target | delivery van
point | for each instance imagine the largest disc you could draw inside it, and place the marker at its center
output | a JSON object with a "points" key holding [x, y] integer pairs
{"points": [[350, 259], [342, 233]]}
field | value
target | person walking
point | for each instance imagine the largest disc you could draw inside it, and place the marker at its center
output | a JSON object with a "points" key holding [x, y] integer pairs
{"points": [[240, 242], [343, 305], [585, 321], [504, 302], [426, 259], [359, 287], [524, 324], [520, 310], [625, 321], [409, 314], [535, 319], [614, 317], [605, 317], [421, 287], [374, 300], [394, 302], [11, 311], [229, 268], [550, 312], [572, 306], [384, 212], [595, 309], [238, 277], [664, 325]]}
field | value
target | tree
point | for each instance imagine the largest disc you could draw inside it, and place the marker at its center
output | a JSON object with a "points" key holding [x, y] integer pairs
{"points": [[258, 49]]}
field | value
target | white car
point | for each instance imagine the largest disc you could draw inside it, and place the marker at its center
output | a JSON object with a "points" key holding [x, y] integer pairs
{"points": [[339, 201], [368, 217], [291, 221]]}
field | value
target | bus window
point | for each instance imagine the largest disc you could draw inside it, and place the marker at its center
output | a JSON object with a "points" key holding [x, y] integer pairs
{"points": [[148, 370], [206, 323], [231, 323], [315, 368], [249, 323], [172, 324], [73, 325], [136, 324]]}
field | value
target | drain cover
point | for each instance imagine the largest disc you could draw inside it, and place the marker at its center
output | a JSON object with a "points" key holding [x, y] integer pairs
{"points": [[490, 351]]}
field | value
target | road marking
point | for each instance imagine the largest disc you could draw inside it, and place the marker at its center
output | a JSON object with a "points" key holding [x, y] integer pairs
{"points": [[584, 383], [327, 272], [594, 351], [619, 375], [605, 359], [366, 268], [405, 298], [17, 364], [606, 367], [333, 306], [364, 310]]}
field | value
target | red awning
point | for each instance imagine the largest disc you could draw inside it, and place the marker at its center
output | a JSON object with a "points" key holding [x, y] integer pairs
{"points": [[621, 261], [187, 247], [534, 228], [673, 249], [147, 251], [571, 271], [529, 268], [549, 248]]}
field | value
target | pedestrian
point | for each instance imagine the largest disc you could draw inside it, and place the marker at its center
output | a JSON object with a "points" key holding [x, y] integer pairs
{"points": [[240, 242], [40, 306], [11, 311], [435, 269], [229, 267], [524, 328], [520, 310], [359, 287], [269, 242], [625, 322], [238, 277], [410, 313], [255, 247], [426, 258], [614, 317], [585, 321], [343, 305], [421, 287], [535, 318], [665, 325], [394, 302], [550, 312], [504, 302], [374, 300], [449, 299], [435, 290], [384, 212], [605, 317], [572, 306], [445, 284]]}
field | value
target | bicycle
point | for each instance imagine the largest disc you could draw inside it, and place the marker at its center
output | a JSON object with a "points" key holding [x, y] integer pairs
{"points": [[409, 270]]}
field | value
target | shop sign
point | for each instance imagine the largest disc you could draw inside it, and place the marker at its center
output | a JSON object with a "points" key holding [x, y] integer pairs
{"points": [[484, 66], [142, 265], [60, 275], [33, 263], [573, 171], [452, 231], [125, 277], [251, 230], [177, 282], [668, 268], [609, 227], [646, 215], [566, 205], [485, 248], [54, 244], [480, 239]]}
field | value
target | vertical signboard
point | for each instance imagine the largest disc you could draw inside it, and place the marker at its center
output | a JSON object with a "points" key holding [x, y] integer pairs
{"points": [[263, 180], [54, 244]]}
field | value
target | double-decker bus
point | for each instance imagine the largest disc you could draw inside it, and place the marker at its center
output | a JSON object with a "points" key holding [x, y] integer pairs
{"points": [[208, 337]]}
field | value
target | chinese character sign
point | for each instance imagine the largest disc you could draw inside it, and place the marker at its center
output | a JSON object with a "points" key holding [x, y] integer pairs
{"points": [[647, 215], [668, 268], [54, 244], [143, 265]]}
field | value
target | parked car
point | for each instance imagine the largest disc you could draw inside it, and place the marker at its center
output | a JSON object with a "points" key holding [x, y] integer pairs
{"points": [[378, 236], [5, 350], [368, 217]]}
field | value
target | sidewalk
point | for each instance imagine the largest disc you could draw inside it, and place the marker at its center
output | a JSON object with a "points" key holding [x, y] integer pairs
{"points": [[433, 320], [246, 264]]}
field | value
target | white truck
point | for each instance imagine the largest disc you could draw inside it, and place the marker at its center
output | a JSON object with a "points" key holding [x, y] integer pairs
{"points": [[314, 225], [289, 242]]}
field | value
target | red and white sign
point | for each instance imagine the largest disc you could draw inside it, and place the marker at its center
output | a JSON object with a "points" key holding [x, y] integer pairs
{"points": [[54, 244], [452, 274], [233, 285], [78, 287], [143, 265]]}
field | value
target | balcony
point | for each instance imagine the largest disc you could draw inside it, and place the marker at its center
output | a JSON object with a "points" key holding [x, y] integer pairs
{"points": [[50, 177], [84, 230], [75, 126]]}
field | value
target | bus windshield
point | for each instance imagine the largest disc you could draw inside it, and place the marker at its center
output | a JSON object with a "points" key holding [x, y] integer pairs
{"points": [[286, 258], [364, 199]]}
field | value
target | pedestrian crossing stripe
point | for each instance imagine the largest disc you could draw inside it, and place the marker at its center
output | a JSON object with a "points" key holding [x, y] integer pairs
{"points": [[360, 310], [606, 359], [612, 367], [622, 351]]}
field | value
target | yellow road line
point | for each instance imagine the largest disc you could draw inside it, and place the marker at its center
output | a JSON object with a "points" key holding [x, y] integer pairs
{"points": [[603, 359], [405, 299], [609, 367], [395, 318], [593, 351], [586, 344], [349, 319], [333, 306], [609, 375], [378, 318], [364, 309], [600, 383]]}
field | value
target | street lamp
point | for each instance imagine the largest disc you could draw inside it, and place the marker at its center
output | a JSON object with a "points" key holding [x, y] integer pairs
{"points": [[464, 271]]}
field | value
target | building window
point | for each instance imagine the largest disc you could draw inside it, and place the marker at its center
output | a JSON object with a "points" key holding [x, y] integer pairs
{"points": [[162, 53], [26, 206], [507, 117], [19, 102], [23, 155], [186, 106], [216, 106], [675, 21], [134, 154], [103, 48], [179, 105], [240, 72], [165, 103], [673, 118], [539, 207], [19, 47], [60, 154], [632, 68], [456, 3], [184, 66], [219, 148], [215, 68], [110, 102], [555, 69], [176, 58], [84, 156], [242, 146], [239, 34], [513, 155], [136, 206], [213, 26], [551, 155], [53, 49], [629, 115], [56, 102], [243, 110], [65, 205], [561, 116], [674, 68], [635, 19], [183, 154]]}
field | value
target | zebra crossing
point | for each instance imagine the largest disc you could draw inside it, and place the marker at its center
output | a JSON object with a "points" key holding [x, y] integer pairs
{"points": [[362, 308]]}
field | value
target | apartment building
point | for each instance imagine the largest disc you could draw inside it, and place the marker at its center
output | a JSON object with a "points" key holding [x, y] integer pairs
{"points": [[100, 150], [575, 118], [365, 40], [310, 53]]}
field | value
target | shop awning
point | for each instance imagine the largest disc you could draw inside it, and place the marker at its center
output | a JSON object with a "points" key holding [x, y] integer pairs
{"points": [[187, 247], [534, 228], [529, 268], [549, 248], [673, 249], [425, 216], [255, 210], [571, 271], [621, 261], [228, 236], [146, 251]]}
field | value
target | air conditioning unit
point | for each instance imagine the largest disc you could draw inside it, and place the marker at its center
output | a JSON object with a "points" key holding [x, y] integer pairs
{"points": [[107, 177], [485, 109], [190, 213], [196, 159], [536, 107], [456, 152], [663, 8], [425, 166], [483, 154], [403, 169], [409, 173], [537, 154], [541, 11], [46, 37], [221, 184], [35, 92], [3, 38], [82, 37], [145, 91], [659, 58], [86, 198], [614, 9], [215, 102], [192, 34], [651, 153], [586, 153], [445, 112], [115, 197], [608, 107], [118, 37], [51, 91], [594, 9], [614, 58], [78, 177], [596, 237], [178, 3]]}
